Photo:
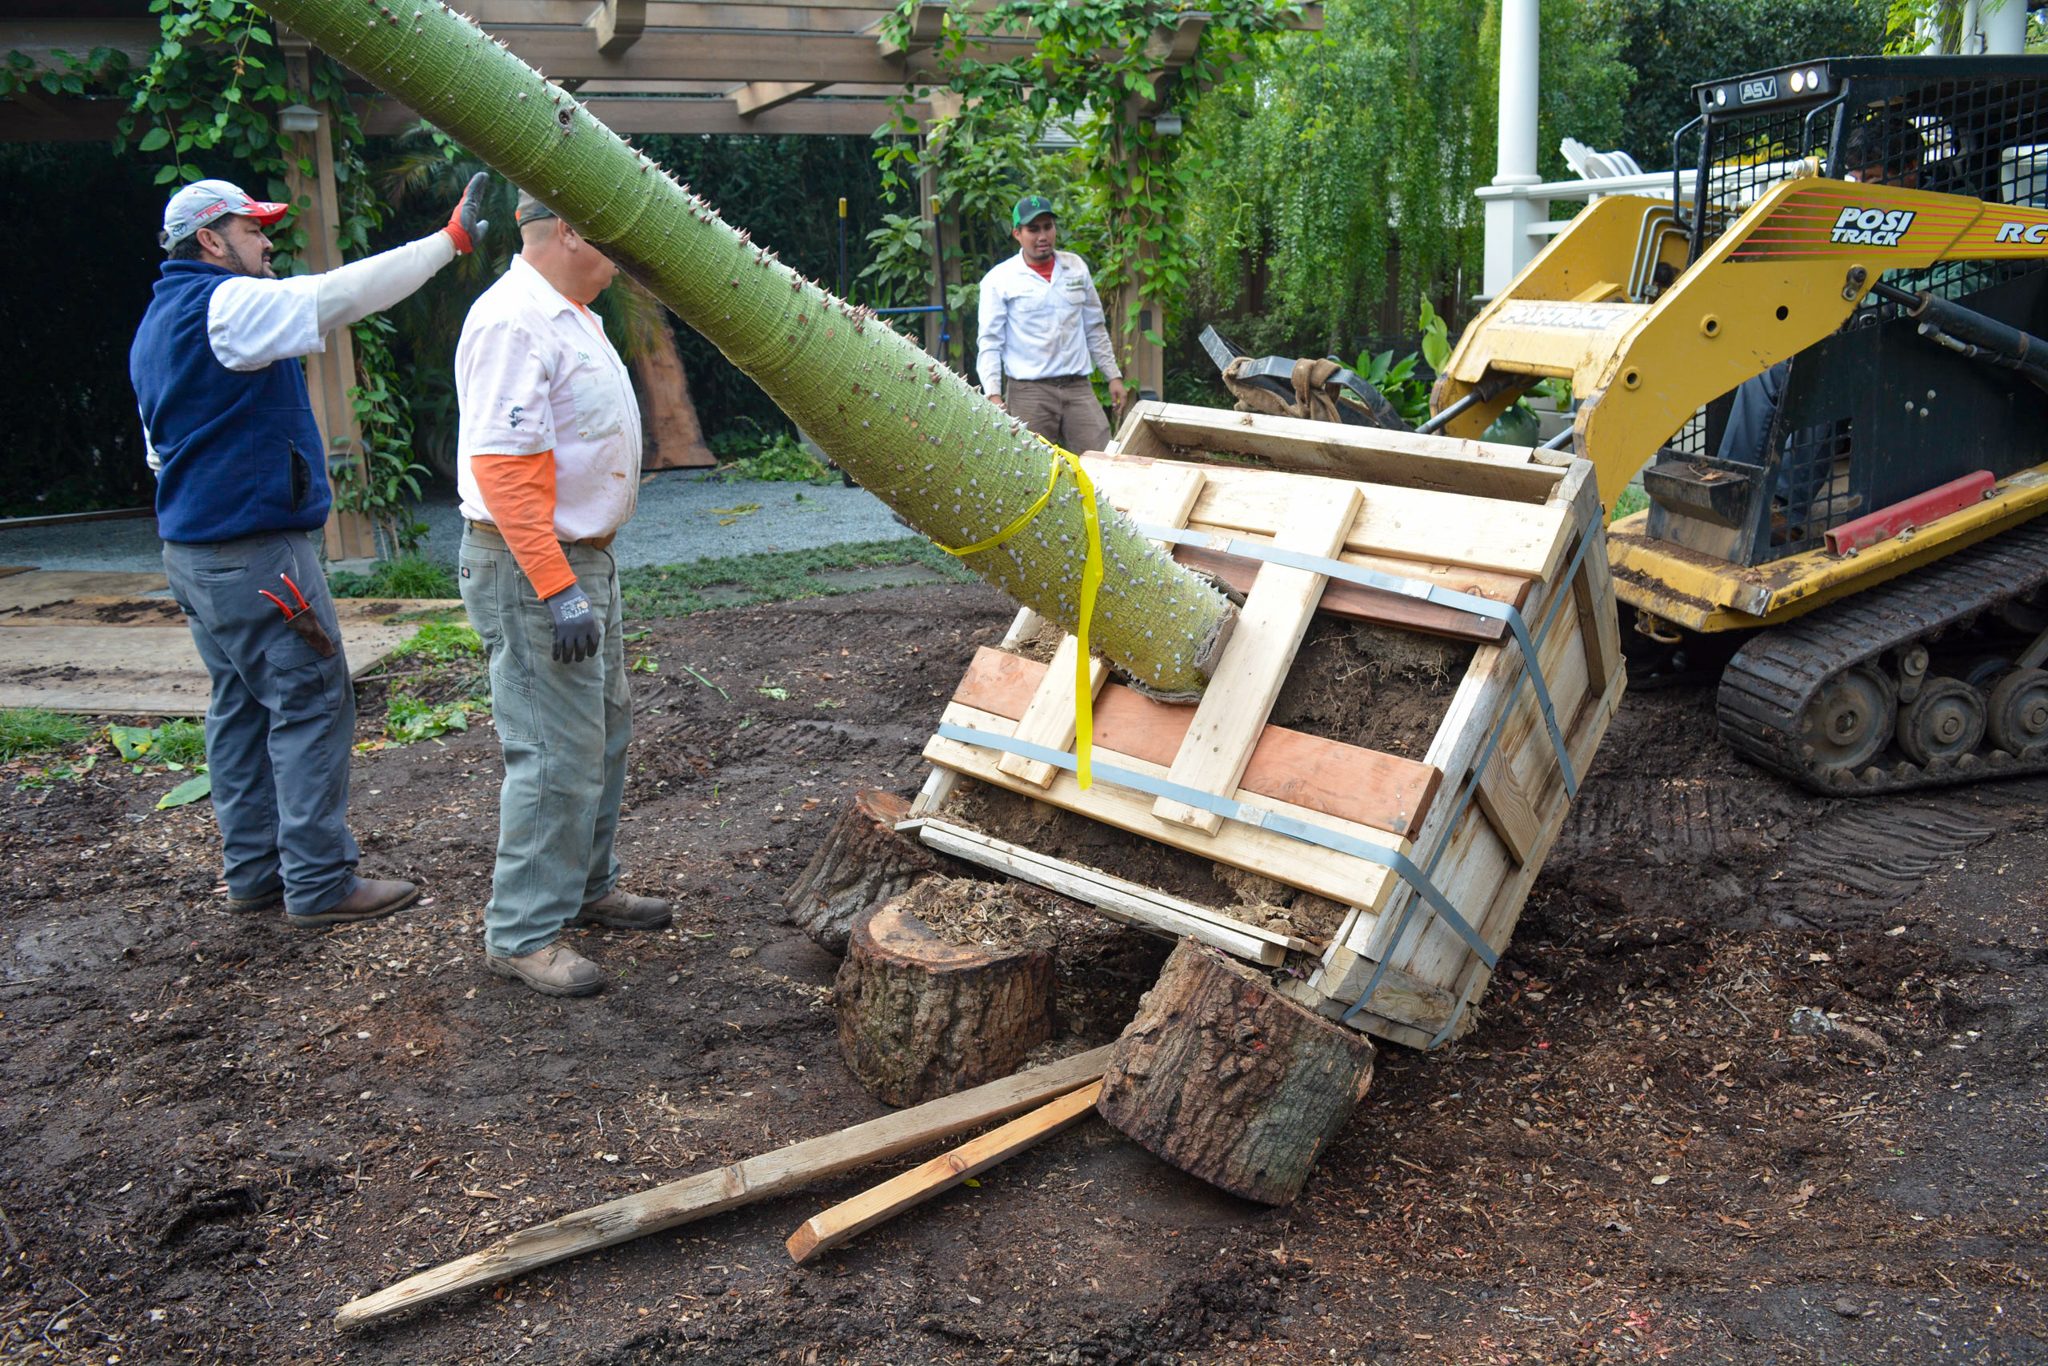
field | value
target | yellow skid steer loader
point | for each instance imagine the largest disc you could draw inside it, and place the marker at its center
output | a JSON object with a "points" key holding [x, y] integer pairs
{"points": [[1824, 356]]}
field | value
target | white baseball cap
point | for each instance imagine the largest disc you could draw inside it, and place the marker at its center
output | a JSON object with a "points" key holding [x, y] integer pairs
{"points": [[199, 203]]}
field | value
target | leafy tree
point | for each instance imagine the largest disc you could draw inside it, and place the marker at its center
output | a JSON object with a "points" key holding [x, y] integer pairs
{"points": [[1329, 155], [1674, 44]]}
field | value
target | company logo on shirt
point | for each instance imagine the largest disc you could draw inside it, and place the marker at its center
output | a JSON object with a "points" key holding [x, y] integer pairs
{"points": [[514, 417], [1868, 227]]}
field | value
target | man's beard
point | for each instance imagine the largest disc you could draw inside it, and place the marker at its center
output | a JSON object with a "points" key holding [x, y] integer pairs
{"points": [[261, 270]]}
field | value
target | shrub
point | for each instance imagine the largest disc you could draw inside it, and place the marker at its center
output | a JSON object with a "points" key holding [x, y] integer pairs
{"points": [[408, 576]]}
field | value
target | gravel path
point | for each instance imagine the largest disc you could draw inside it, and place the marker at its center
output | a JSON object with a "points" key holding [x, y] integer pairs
{"points": [[683, 516]]}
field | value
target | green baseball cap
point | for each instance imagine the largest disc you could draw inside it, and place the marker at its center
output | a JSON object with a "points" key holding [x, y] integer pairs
{"points": [[1030, 207]]}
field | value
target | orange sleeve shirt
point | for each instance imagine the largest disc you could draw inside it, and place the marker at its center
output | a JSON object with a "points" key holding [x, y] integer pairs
{"points": [[519, 493]]}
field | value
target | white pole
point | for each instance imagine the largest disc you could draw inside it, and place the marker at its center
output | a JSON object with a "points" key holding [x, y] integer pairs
{"points": [[1509, 245], [2004, 25], [1520, 46]]}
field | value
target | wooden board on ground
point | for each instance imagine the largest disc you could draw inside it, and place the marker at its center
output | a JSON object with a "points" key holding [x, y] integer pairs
{"points": [[727, 1188], [97, 609], [38, 587], [138, 670], [850, 1218]]}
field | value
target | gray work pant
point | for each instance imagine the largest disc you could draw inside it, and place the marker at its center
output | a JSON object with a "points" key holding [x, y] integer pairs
{"points": [[281, 720], [564, 729], [1063, 411]]}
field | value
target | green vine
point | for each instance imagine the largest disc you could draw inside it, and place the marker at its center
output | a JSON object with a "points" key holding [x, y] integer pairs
{"points": [[208, 100], [1103, 71]]}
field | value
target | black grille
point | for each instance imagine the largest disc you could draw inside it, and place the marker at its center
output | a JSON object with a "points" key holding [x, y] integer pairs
{"points": [[1815, 486]]}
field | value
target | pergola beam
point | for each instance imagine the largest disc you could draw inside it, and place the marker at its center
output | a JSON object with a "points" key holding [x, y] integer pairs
{"points": [[758, 97], [634, 115], [617, 25]]}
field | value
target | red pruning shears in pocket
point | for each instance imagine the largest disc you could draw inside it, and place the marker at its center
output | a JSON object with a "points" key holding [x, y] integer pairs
{"points": [[303, 621]]}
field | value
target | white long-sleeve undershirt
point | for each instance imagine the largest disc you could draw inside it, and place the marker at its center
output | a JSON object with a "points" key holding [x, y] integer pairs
{"points": [[252, 322]]}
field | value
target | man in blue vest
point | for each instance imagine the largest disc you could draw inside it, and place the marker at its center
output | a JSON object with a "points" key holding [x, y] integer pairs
{"points": [[241, 485]]}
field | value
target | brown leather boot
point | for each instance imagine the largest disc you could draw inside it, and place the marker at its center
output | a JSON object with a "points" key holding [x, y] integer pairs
{"points": [[373, 897], [617, 910], [556, 970]]}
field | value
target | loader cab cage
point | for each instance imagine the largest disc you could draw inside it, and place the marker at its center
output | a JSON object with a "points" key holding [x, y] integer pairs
{"points": [[1972, 126]]}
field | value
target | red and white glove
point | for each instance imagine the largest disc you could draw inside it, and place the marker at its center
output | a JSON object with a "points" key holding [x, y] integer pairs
{"points": [[464, 227]]}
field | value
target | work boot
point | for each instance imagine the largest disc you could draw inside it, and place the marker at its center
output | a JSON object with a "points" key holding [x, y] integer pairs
{"points": [[556, 970], [617, 910], [373, 897], [262, 901]]}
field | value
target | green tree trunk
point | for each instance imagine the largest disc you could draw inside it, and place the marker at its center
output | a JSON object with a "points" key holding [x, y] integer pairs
{"points": [[908, 428]]}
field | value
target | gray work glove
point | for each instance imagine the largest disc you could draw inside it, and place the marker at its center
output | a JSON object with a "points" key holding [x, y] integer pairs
{"points": [[576, 633], [465, 227]]}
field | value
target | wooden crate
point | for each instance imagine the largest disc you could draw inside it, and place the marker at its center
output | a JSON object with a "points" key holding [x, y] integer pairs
{"points": [[1477, 814]]}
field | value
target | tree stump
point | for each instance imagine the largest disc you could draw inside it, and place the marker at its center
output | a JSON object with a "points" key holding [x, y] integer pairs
{"points": [[920, 1017], [1228, 1081], [862, 864]]}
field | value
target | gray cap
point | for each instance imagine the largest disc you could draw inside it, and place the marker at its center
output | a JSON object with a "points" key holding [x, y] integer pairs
{"points": [[531, 210]]}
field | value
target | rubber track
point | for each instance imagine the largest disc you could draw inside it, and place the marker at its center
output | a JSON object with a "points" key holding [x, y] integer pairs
{"points": [[1768, 684]]}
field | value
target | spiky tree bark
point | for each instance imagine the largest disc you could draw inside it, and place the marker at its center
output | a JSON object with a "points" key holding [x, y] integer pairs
{"points": [[909, 429]]}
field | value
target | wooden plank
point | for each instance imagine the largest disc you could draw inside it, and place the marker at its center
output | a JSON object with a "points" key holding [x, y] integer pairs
{"points": [[1241, 692], [1399, 996], [40, 587], [1023, 627], [1410, 524], [727, 1188], [1506, 911], [1371, 455], [96, 670], [1119, 900], [938, 787], [1593, 586], [1355, 602], [758, 97], [1509, 810], [1479, 860], [1312, 868], [1051, 719], [1355, 784], [851, 1218]]}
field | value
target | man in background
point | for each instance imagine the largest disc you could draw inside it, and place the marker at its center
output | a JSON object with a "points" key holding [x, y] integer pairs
{"points": [[1042, 326], [548, 464], [241, 486]]}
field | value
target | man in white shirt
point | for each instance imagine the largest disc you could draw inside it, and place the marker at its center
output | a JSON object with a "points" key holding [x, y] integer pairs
{"points": [[1042, 326], [548, 466], [241, 485]]}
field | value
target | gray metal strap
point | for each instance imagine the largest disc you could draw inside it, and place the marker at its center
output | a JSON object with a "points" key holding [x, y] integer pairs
{"points": [[1257, 816], [1412, 588]]}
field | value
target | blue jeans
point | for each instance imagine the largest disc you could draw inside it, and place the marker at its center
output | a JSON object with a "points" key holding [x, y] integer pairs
{"points": [[564, 729], [281, 720]]}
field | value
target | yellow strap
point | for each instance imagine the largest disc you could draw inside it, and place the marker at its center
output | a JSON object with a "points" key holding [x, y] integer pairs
{"points": [[1091, 579]]}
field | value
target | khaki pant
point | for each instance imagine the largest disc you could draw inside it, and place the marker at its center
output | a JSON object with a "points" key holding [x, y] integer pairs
{"points": [[1063, 411]]}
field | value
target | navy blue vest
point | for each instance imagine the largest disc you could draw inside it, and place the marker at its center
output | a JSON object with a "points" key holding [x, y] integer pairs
{"points": [[240, 452]]}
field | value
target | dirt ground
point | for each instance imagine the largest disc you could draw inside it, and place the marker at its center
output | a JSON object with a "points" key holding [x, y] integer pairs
{"points": [[215, 1130]]}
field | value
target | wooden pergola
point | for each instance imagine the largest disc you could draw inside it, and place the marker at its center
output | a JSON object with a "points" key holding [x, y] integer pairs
{"points": [[817, 67]]}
